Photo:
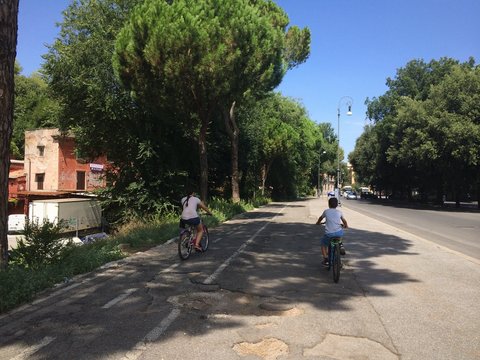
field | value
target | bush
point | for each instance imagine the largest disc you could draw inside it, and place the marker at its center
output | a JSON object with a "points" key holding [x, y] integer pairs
{"points": [[41, 246]]}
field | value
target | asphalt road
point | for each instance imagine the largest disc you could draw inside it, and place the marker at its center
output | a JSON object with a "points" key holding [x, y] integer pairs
{"points": [[458, 230], [260, 292]]}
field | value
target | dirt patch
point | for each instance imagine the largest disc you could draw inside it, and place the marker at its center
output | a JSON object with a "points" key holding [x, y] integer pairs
{"points": [[268, 349], [234, 304]]}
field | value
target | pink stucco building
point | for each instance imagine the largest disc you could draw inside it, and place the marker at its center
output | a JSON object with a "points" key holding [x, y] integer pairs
{"points": [[52, 169], [52, 165]]}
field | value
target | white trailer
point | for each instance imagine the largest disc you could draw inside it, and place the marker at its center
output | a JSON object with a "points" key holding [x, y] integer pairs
{"points": [[76, 213]]}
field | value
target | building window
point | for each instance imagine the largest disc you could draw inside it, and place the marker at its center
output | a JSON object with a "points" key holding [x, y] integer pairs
{"points": [[80, 180], [41, 150], [39, 179]]}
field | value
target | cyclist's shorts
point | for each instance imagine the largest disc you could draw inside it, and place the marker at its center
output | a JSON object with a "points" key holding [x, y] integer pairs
{"points": [[192, 221], [326, 238]]}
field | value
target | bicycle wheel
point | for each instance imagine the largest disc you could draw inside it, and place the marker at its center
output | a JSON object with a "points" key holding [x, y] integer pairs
{"points": [[205, 239], [184, 245], [336, 265]]}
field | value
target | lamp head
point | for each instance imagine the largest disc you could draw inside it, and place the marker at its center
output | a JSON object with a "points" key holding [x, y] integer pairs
{"points": [[349, 112]]}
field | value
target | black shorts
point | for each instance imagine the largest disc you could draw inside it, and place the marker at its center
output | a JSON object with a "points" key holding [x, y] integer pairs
{"points": [[193, 221]]}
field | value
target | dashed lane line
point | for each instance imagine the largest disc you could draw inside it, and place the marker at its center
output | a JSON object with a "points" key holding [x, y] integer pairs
{"points": [[119, 298], [33, 349], [212, 278], [152, 336]]}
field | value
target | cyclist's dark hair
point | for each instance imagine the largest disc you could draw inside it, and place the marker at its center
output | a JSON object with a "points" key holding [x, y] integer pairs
{"points": [[332, 202], [189, 190]]}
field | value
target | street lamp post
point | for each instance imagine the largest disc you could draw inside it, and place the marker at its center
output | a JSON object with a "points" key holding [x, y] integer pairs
{"points": [[318, 175], [348, 101]]}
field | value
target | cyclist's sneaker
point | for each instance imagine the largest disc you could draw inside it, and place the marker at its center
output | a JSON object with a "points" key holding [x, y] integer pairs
{"points": [[342, 250], [325, 262]]}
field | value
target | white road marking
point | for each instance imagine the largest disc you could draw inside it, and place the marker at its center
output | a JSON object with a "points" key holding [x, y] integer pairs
{"points": [[163, 326], [170, 268], [217, 239], [119, 298], [152, 336], [61, 291], [212, 278], [33, 349]]}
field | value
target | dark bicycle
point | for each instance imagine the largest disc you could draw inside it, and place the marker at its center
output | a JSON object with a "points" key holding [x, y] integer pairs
{"points": [[334, 259], [186, 241], [335, 250]]}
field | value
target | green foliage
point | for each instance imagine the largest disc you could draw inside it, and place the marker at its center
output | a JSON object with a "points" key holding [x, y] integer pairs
{"points": [[81, 259], [151, 155], [426, 131], [19, 285], [210, 43], [218, 51], [283, 145], [225, 209], [42, 245], [35, 107], [194, 58]]}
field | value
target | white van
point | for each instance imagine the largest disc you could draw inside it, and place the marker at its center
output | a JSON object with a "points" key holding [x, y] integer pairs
{"points": [[16, 222]]}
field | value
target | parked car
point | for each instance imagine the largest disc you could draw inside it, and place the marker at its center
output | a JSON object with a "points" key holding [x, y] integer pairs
{"points": [[351, 195]]}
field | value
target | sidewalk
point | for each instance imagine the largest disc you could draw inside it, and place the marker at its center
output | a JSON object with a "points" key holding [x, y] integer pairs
{"points": [[425, 295]]}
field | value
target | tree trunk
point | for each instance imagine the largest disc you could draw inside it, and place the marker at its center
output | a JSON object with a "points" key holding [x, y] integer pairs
{"points": [[263, 174], [233, 132], [263, 177], [202, 147], [8, 45], [478, 188]]}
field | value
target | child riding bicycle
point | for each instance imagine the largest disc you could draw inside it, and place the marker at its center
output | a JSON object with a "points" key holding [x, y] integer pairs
{"points": [[190, 203], [334, 225]]}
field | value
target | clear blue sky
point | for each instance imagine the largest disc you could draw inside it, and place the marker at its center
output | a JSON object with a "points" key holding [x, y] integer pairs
{"points": [[356, 45]]}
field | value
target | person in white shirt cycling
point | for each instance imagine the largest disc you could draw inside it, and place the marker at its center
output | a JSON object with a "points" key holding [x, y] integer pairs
{"points": [[190, 204], [334, 225]]}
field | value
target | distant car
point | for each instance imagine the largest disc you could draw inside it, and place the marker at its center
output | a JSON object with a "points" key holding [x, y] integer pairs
{"points": [[368, 195], [351, 195]]}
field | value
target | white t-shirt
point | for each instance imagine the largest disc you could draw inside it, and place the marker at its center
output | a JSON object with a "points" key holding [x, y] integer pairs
{"points": [[333, 221], [190, 210]]}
